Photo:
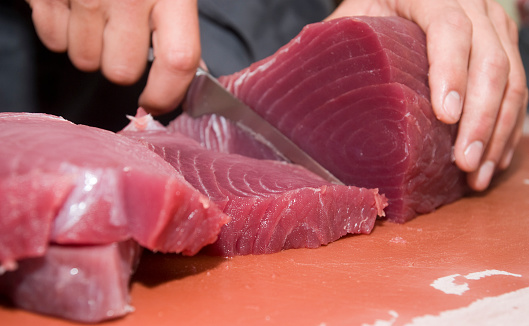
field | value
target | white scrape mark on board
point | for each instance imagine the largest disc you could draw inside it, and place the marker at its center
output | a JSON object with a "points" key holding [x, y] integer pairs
{"points": [[394, 316], [490, 272], [448, 285], [507, 309], [397, 240]]}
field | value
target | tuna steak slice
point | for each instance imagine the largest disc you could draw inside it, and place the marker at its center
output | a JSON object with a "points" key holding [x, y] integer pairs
{"points": [[273, 205], [216, 133], [353, 93], [87, 284], [74, 184]]}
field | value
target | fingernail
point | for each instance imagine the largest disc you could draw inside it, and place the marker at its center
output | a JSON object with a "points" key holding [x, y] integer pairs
{"points": [[473, 154], [452, 106], [484, 175]]}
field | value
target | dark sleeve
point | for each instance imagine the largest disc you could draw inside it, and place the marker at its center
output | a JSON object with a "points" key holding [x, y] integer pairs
{"points": [[236, 33], [17, 61]]}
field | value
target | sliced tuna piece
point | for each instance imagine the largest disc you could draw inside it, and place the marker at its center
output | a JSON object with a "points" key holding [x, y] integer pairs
{"points": [[74, 184], [28, 205], [87, 283], [353, 93], [273, 205], [216, 133]]}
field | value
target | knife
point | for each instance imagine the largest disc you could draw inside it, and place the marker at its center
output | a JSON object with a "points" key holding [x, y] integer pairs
{"points": [[207, 96]]}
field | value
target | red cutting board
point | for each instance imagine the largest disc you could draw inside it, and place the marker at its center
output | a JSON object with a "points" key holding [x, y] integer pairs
{"points": [[465, 264]]}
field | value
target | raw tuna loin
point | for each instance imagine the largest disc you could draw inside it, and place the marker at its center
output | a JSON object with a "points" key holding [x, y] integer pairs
{"points": [[353, 93]]}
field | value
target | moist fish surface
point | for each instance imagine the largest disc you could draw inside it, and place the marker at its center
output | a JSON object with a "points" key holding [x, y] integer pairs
{"points": [[83, 283], [353, 93], [273, 205], [73, 184], [219, 134]]}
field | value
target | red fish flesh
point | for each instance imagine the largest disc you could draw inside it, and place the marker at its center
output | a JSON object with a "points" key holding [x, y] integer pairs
{"points": [[216, 133], [273, 205], [353, 93], [74, 184], [87, 284]]}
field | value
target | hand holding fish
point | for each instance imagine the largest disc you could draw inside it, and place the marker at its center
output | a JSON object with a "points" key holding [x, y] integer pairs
{"points": [[115, 36], [476, 75]]}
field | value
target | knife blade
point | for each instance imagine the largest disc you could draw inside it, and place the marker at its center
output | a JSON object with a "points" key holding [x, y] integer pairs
{"points": [[207, 96]]}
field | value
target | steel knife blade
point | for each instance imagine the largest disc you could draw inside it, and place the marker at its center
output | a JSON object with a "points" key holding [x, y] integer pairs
{"points": [[207, 96]]}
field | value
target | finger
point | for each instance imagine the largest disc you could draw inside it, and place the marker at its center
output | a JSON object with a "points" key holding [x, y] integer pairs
{"points": [[85, 34], [176, 44], [448, 34], [515, 138], [126, 41], [51, 22], [500, 151], [487, 80], [507, 130], [360, 8], [514, 105]]}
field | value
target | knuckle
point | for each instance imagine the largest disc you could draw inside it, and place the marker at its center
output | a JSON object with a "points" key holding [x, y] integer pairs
{"points": [[519, 90], [49, 25], [122, 74], [459, 21], [181, 60], [89, 5], [53, 41], [496, 65], [85, 63], [486, 122]]}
